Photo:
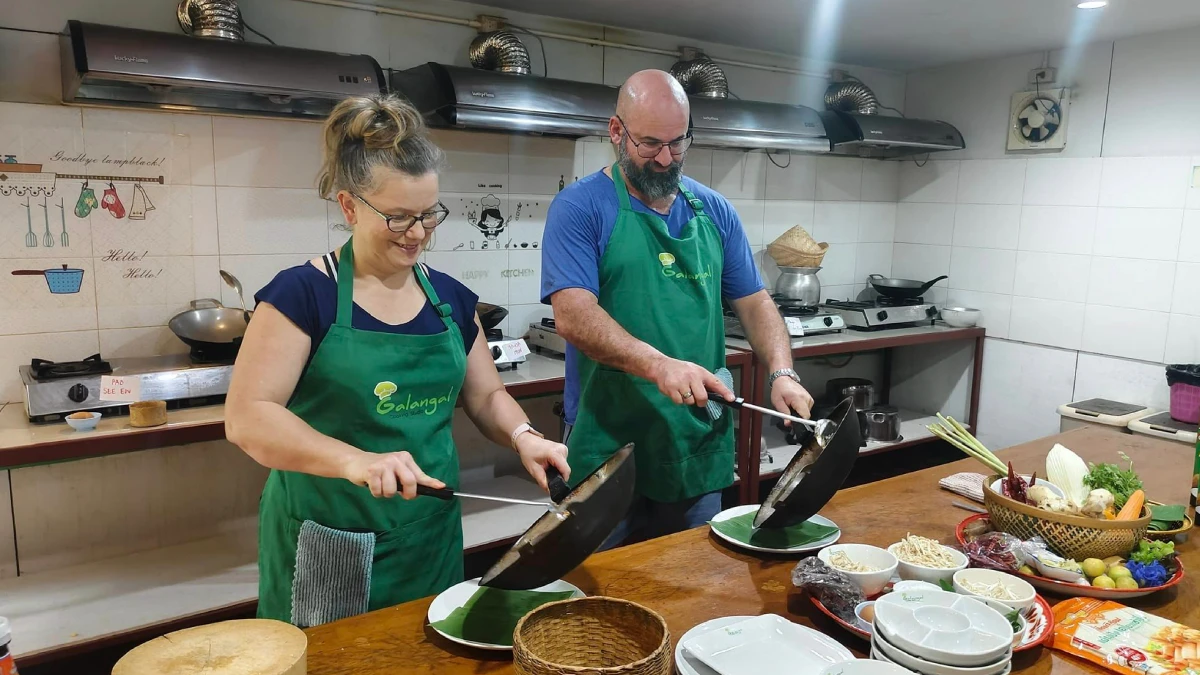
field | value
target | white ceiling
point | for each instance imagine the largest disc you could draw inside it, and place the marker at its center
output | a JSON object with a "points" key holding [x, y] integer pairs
{"points": [[899, 35]]}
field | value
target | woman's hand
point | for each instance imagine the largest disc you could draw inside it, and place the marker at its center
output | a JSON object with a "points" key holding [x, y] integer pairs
{"points": [[388, 474], [537, 453]]}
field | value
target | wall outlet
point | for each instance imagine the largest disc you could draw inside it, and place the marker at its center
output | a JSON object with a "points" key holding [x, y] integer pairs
{"points": [[1043, 75]]}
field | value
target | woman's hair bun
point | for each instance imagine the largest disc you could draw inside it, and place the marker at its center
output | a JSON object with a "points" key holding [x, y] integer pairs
{"points": [[367, 132]]}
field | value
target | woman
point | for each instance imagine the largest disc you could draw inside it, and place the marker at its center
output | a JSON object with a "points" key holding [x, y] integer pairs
{"points": [[346, 384]]}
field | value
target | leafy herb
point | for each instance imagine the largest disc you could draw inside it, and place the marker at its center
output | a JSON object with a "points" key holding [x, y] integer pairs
{"points": [[1120, 482], [1152, 551], [1014, 618], [946, 585]]}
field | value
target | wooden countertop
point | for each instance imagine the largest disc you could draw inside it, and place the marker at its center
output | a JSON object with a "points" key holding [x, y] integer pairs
{"points": [[689, 577]]}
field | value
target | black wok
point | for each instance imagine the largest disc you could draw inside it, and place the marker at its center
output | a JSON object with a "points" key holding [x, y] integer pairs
{"points": [[490, 315], [210, 326], [901, 288]]}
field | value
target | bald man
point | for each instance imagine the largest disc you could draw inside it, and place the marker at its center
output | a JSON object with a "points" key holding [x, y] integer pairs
{"points": [[636, 260]]}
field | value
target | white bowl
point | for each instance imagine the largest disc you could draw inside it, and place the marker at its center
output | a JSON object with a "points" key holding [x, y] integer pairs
{"points": [[932, 575], [942, 627], [871, 583], [961, 317], [865, 667], [84, 424], [1025, 594], [1053, 488], [858, 613], [886, 650]]}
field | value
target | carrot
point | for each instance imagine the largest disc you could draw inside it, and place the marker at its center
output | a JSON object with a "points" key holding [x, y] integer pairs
{"points": [[1133, 508]]}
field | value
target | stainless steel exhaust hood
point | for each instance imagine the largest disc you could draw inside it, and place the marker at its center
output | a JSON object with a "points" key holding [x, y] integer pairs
{"points": [[756, 125], [886, 137], [112, 66]]}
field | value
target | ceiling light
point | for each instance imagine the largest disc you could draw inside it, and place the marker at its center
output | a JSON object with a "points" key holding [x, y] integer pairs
{"points": [[1092, 4]]}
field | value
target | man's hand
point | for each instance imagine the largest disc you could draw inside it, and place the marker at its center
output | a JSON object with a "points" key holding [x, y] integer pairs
{"points": [[787, 395], [687, 383]]}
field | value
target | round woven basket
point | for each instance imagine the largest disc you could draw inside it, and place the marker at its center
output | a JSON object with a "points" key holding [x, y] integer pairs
{"points": [[1075, 537], [592, 636], [786, 256]]}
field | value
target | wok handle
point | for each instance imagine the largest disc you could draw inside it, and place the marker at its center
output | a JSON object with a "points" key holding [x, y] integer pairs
{"points": [[440, 493], [206, 303], [875, 276], [28, 273], [559, 490]]}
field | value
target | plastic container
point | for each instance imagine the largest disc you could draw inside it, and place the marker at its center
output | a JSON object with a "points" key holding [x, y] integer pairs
{"points": [[1184, 381], [1100, 412], [7, 665]]}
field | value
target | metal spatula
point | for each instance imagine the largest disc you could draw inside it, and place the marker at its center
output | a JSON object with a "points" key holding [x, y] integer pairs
{"points": [[823, 429]]}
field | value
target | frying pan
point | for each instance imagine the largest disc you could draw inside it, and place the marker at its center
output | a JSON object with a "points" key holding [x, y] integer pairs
{"points": [[814, 474], [209, 325], [490, 315], [564, 537], [901, 288]]}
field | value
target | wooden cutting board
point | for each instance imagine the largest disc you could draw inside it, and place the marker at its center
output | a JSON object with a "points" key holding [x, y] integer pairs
{"points": [[242, 647]]}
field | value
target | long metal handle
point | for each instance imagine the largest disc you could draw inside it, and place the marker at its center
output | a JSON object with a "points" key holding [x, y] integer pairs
{"points": [[448, 494], [775, 413]]}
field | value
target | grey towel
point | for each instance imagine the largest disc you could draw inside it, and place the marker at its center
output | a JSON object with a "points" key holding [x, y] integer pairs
{"points": [[333, 574]]}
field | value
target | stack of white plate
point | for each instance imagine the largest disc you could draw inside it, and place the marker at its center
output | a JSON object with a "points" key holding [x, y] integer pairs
{"points": [[941, 633], [753, 645]]}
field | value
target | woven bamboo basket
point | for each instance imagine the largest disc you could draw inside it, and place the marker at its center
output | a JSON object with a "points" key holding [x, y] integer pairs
{"points": [[592, 636], [786, 256], [1075, 537]]}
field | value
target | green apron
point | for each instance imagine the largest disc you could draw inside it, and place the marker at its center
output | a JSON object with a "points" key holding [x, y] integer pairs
{"points": [[380, 392], [665, 292]]}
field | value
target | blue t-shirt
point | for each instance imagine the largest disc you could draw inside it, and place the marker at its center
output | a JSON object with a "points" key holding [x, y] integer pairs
{"points": [[308, 297], [581, 221]]}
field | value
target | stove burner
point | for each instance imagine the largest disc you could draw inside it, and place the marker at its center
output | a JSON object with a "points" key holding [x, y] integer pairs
{"points": [[798, 311], [213, 356], [42, 370], [878, 302], [884, 301]]}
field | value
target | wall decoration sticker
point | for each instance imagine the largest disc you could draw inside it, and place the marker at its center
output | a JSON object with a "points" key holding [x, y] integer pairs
{"points": [[62, 214], [61, 281], [47, 238], [141, 203], [30, 236], [86, 202], [488, 227], [112, 203]]}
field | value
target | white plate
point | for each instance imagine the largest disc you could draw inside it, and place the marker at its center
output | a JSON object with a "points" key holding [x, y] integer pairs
{"points": [[685, 663], [891, 652], [943, 627], [456, 596], [758, 645], [803, 548], [875, 654]]}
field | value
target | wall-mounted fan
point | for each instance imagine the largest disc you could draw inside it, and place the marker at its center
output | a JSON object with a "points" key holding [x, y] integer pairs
{"points": [[1038, 120]]}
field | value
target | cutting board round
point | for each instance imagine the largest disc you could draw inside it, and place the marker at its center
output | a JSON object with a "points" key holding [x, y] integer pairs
{"points": [[242, 647]]}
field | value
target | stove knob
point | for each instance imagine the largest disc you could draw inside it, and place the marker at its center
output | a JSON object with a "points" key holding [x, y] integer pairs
{"points": [[496, 353], [828, 321], [931, 311], [882, 315], [78, 393]]}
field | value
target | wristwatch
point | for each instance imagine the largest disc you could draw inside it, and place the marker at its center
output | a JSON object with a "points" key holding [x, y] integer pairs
{"points": [[525, 426], [782, 372]]}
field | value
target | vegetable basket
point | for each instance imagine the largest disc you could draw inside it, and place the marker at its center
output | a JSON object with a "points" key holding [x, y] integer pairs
{"points": [[592, 636], [1075, 537]]}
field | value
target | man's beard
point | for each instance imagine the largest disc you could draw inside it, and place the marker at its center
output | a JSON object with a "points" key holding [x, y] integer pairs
{"points": [[654, 185]]}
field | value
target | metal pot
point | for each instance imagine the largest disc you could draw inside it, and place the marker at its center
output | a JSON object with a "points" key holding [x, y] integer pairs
{"points": [[901, 288], [799, 284], [209, 325], [862, 391], [883, 423]]}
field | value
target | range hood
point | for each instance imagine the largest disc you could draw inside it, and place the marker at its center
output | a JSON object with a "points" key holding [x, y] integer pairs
{"points": [[881, 136], [112, 66], [756, 125], [471, 98]]}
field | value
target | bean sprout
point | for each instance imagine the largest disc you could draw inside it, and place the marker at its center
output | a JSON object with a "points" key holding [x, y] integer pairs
{"points": [[996, 591], [841, 561], [925, 552]]}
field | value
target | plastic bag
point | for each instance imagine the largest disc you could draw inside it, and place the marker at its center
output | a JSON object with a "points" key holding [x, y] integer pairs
{"points": [[1125, 640], [1183, 374], [996, 551], [835, 590]]}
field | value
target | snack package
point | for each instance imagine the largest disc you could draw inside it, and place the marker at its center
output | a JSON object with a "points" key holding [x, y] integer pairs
{"points": [[1125, 640]]}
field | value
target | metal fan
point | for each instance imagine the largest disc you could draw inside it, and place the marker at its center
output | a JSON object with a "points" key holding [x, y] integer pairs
{"points": [[1040, 119]]}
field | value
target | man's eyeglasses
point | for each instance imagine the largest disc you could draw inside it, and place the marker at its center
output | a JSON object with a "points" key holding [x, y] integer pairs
{"points": [[651, 149], [401, 224]]}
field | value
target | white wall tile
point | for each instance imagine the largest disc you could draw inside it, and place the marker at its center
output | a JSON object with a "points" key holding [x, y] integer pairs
{"points": [[750, 212], [996, 309], [1189, 240], [914, 261], [1183, 339], [255, 271], [480, 271], [873, 259], [1053, 276], [1121, 380], [796, 181], [934, 181], [18, 215], [739, 175], [524, 274], [698, 165], [840, 292], [183, 143], [781, 216], [1145, 182], [987, 226], [27, 306], [18, 350], [1135, 284], [836, 222], [983, 269], [171, 228], [205, 238], [1187, 289], [1128, 333], [1058, 229], [536, 165], [881, 181], [271, 220], [925, 223], [520, 316], [1022, 387], [839, 179], [1063, 182], [266, 153], [1047, 322], [838, 267], [140, 342], [991, 181], [1151, 234], [595, 156], [146, 292], [877, 222], [475, 162], [208, 283]]}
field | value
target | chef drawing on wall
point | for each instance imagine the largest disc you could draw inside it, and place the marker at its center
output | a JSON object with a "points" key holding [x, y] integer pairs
{"points": [[491, 222]]}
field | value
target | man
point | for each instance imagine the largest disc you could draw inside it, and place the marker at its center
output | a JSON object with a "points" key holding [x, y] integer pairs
{"points": [[636, 259]]}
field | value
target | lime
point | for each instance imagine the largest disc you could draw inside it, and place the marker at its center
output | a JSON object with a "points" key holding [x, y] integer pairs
{"points": [[1026, 569], [1119, 572], [1104, 581], [1127, 583], [1093, 567]]}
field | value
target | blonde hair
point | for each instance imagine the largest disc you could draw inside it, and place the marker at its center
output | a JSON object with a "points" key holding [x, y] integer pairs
{"points": [[368, 132]]}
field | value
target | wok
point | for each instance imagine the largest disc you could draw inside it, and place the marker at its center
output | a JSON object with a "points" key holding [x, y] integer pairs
{"points": [[490, 315], [901, 288], [209, 325], [815, 474], [564, 537]]}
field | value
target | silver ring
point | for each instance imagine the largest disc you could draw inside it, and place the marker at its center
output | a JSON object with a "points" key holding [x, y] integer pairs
{"points": [[688, 395]]}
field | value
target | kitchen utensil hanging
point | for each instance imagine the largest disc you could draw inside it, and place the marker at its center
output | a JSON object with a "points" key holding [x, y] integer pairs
{"points": [[62, 214], [61, 281], [47, 238], [28, 180], [822, 429], [141, 203], [86, 202], [30, 236], [112, 203]]}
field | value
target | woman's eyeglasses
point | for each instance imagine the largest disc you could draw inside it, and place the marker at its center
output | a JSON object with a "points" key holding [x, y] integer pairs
{"points": [[650, 149], [401, 224]]}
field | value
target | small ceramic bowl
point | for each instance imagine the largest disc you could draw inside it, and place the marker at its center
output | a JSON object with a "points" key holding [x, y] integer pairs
{"points": [[83, 423], [932, 575], [871, 583], [865, 611], [1025, 594], [961, 317]]}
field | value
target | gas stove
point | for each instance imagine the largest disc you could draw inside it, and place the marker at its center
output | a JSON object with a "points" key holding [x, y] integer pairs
{"points": [[507, 352], [55, 390], [882, 313], [799, 322]]}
